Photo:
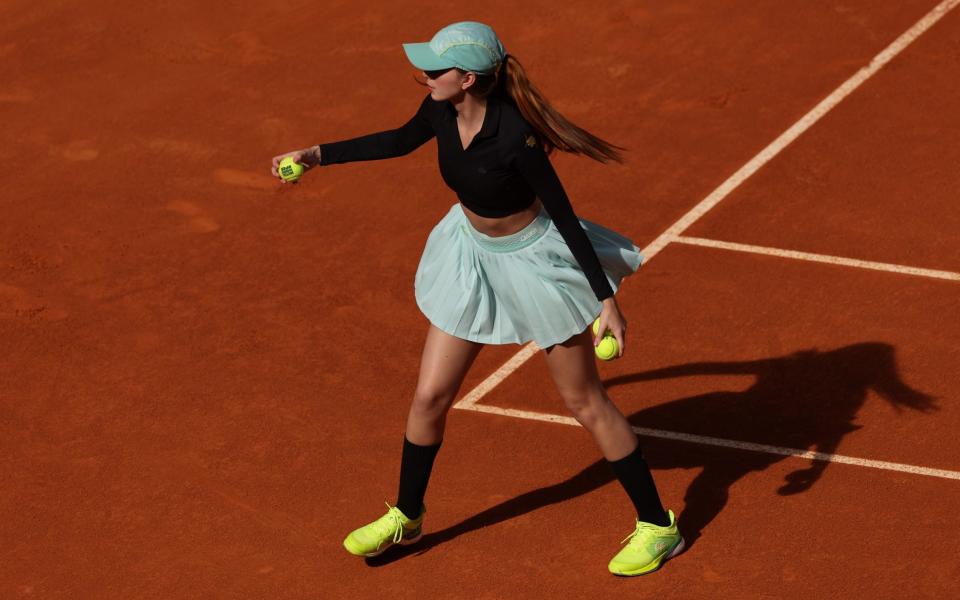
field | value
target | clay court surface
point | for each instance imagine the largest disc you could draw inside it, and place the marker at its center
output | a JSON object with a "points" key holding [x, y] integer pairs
{"points": [[205, 374]]}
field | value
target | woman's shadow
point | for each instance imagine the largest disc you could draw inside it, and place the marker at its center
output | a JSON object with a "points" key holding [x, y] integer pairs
{"points": [[808, 399]]}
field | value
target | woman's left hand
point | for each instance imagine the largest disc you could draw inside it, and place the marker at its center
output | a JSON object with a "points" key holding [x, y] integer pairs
{"points": [[612, 319]]}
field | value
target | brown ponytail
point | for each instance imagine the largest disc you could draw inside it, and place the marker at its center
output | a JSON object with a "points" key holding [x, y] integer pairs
{"points": [[554, 129]]}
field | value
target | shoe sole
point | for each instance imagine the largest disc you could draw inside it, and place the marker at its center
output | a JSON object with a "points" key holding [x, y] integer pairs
{"points": [[674, 552], [402, 542]]}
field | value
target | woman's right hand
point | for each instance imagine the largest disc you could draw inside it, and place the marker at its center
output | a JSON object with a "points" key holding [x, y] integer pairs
{"points": [[308, 157]]}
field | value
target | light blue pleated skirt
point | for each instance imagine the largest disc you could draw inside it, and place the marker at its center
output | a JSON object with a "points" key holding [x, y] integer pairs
{"points": [[513, 289]]}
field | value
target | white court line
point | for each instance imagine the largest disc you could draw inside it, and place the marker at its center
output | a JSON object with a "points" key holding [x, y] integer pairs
{"points": [[471, 399], [712, 441], [732, 183], [823, 258]]}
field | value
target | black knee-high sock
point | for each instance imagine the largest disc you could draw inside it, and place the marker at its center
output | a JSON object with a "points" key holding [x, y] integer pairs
{"points": [[415, 466], [634, 475]]}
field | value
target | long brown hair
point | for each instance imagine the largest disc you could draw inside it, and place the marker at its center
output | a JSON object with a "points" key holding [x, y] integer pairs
{"points": [[510, 82]]}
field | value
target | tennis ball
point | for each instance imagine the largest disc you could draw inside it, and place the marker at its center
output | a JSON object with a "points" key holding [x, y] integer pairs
{"points": [[607, 349], [596, 327], [289, 170]]}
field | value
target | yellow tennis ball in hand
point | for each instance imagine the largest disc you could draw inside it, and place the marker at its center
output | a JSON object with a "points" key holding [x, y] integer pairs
{"points": [[608, 348], [596, 327], [289, 170]]}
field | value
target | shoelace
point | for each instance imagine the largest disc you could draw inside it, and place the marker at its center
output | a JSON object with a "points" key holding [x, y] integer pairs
{"points": [[391, 522], [640, 527]]}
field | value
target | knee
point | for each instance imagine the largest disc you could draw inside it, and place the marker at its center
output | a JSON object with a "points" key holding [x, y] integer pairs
{"points": [[586, 406], [431, 403]]}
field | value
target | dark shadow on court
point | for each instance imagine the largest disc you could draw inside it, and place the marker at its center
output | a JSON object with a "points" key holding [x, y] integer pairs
{"points": [[808, 399]]}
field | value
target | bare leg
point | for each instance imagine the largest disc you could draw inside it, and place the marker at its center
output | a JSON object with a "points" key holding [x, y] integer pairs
{"points": [[445, 361], [443, 366], [574, 369]]}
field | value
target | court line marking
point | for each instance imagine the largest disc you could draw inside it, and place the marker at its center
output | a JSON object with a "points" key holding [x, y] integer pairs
{"points": [[471, 400], [713, 441], [823, 258]]}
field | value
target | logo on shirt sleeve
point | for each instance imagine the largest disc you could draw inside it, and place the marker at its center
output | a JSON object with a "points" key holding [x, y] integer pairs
{"points": [[530, 141]]}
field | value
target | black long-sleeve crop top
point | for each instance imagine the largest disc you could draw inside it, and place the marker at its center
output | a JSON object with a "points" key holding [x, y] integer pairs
{"points": [[501, 172]]}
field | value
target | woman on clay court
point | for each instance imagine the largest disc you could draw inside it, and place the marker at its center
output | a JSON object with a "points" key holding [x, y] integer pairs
{"points": [[508, 264]]}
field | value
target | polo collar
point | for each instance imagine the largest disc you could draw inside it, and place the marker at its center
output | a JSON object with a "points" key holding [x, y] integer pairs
{"points": [[491, 118]]}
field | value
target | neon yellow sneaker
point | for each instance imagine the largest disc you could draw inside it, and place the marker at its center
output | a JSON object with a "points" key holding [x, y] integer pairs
{"points": [[392, 528], [649, 547]]}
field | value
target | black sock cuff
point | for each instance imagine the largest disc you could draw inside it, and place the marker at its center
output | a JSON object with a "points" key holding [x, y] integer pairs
{"points": [[630, 461], [408, 445]]}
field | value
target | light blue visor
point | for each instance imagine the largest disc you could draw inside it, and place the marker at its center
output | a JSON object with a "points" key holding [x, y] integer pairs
{"points": [[468, 45]]}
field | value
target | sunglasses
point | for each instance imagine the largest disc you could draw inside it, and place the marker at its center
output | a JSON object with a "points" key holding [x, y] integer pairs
{"points": [[436, 74]]}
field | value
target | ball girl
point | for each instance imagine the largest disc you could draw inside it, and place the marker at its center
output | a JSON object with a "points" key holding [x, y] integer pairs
{"points": [[509, 263]]}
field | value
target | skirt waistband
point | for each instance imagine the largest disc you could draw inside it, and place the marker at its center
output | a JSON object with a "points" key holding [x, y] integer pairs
{"points": [[515, 241]]}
